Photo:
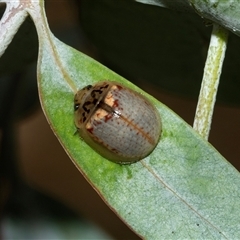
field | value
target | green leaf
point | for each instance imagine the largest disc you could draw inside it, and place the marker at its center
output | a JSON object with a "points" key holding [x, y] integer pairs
{"points": [[184, 189]]}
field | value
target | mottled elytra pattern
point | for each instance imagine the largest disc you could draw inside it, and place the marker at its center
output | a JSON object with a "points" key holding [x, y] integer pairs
{"points": [[87, 99], [117, 122]]}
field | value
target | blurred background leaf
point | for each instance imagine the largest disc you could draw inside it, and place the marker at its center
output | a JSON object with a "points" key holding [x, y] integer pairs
{"points": [[182, 5]]}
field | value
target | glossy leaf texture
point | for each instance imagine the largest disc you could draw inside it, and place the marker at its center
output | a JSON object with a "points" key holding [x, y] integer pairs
{"points": [[184, 189]]}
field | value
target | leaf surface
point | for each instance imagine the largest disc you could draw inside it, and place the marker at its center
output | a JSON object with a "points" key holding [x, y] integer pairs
{"points": [[184, 189]]}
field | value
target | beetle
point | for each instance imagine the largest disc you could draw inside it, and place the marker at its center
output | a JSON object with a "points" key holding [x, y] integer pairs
{"points": [[119, 123]]}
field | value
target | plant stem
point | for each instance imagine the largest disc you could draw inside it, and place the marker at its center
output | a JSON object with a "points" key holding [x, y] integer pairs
{"points": [[211, 77], [13, 17]]}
